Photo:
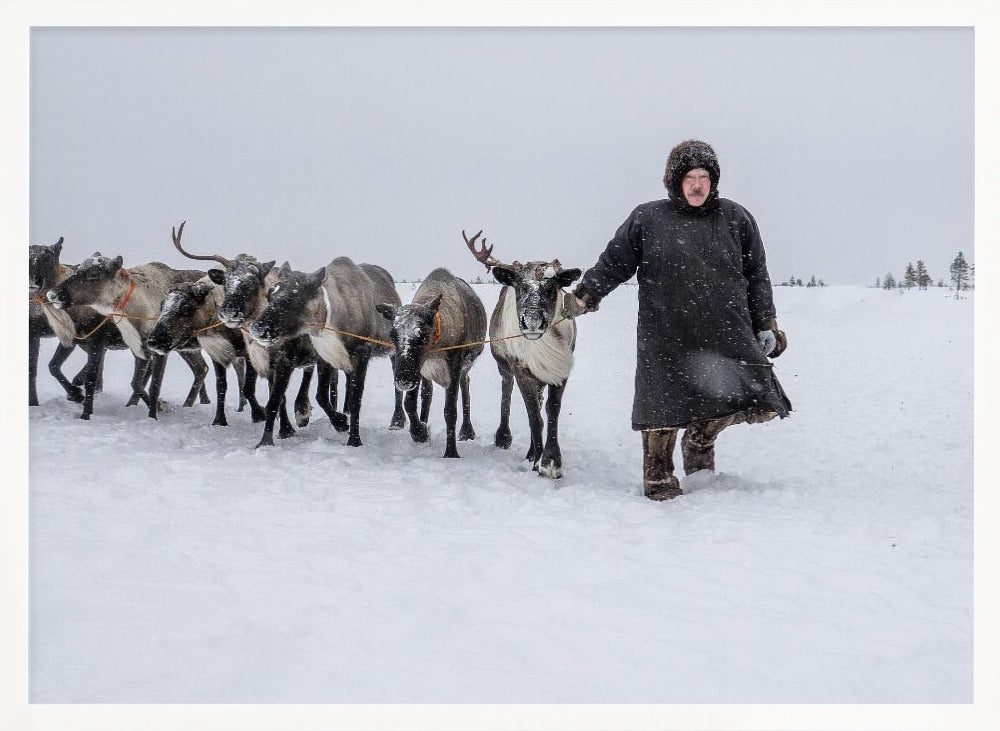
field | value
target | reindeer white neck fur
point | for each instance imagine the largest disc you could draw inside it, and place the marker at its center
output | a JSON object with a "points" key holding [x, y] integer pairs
{"points": [[550, 358]]}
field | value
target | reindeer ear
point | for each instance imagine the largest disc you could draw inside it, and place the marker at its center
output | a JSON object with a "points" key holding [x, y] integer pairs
{"points": [[435, 303], [286, 267], [218, 276], [200, 291], [264, 269], [387, 311], [117, 262], [504, 275], [57, 246], [316, 278], [567, 276]]}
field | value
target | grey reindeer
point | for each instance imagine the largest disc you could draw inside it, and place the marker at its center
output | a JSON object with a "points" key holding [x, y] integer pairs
{"points": [[75, 326], [189, 315], [245, 282], [430, 335], [134, 296], [532, 304], [335, 307]]}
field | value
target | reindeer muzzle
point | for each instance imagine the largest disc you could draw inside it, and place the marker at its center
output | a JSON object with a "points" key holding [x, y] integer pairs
{"points": [[56, 301]]}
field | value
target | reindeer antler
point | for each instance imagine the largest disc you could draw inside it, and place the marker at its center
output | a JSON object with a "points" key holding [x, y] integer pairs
{"points": [[484, 254], [176, 235]]}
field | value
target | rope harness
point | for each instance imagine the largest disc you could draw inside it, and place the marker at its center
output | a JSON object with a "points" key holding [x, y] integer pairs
{"points": [[119, 313], [436, 337]]}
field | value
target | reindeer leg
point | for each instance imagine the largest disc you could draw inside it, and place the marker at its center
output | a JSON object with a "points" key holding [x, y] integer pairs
{"points": [[73, 393], [398, 420], [357, 390], [333, 390], [418, 429], [426, 395], [250, 392], [156, 369], [34, 343], [303, 406], [531, 392], [239, 365], [139, 374], [95, 357], [281, 373], [285, 430], [467, 431], [221, 386], [451, 407], [348, 385], [327, 374], [503, 437], [199, 368], [550, 464]]}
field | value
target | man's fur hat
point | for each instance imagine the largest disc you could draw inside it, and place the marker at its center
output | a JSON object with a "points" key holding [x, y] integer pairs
{"points": [[688, 155]]}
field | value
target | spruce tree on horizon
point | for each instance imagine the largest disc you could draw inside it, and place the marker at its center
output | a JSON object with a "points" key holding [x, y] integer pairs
{"points": [[959, 271], [923, 278]]}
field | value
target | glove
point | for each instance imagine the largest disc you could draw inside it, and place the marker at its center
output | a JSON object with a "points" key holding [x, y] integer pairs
{"points": [[590, 303], [767, 341]]}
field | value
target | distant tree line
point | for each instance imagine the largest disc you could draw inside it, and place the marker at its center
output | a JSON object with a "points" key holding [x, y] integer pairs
{"points": [[796, 282], [961, 275]]}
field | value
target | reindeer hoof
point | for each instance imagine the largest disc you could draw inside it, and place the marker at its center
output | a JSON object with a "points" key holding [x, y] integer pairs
{"points": [[85, 417], [467, 433], [204, 399], [220, 422], [419, 432], [286, 433], [502, 439], [451, 454], [257, 415], [265, 441], [354, 441], [75, 395], [339, 421], [302, 416], [398, 422], [552, 470], [32, 402]]}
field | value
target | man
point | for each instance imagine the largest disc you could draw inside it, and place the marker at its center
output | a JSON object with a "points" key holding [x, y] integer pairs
{"points": [[706, 317]]}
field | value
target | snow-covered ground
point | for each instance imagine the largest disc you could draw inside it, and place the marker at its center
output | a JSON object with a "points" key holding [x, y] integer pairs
{"points": [[829, 560]]}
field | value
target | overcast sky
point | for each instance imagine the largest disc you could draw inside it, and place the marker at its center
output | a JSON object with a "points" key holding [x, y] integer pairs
{"points": [[853, 148]]}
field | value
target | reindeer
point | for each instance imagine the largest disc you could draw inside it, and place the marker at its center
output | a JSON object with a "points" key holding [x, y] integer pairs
{"points": [[133, 299], [245, 282], [445, 313], [73, 326], [188, 315], [44, 272], [326, 305], [532, 304]]}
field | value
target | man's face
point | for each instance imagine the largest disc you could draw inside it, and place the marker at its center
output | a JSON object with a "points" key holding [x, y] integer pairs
{"points": [[696, 186]]}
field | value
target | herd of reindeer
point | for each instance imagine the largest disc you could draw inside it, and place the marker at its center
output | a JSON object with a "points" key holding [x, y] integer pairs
{"points": [[268, 321]]}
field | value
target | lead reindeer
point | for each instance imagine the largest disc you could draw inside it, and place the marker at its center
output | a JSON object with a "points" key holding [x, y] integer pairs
{"points": [[428, 334], [532, 304]]}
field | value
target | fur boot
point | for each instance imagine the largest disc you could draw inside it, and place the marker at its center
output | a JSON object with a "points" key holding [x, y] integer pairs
{"points": [[658, 479]]}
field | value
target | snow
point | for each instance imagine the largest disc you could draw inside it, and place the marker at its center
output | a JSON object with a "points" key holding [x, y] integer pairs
{"points": [[828, 561]]}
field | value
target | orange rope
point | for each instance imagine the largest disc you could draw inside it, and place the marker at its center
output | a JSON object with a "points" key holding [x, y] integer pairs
{"points": [[437, 337], [121, 315]]}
